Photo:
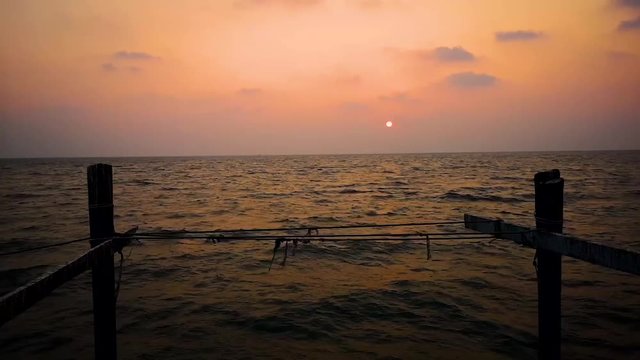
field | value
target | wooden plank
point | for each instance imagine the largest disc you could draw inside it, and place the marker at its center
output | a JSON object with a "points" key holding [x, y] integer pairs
{"points": [[613, 258], [17, 301]]}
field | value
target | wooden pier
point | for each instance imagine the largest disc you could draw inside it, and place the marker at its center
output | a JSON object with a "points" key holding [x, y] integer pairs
{"points": [[546, 239]]}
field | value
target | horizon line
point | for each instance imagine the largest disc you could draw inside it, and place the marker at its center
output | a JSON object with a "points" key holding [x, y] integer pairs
{"points": [[313, 154]]}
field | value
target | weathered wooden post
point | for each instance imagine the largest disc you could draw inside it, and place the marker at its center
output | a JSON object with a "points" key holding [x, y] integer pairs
{"points": [[100, 186], [549, 187]]}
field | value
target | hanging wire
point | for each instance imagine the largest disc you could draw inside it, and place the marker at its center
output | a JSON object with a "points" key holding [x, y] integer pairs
{"points": [[117, 291], [120, 271], [317, 228], [123, 236], [275, 250], [325, 239], [286, 251], [35, 248], [312, 233], [196, 235]]}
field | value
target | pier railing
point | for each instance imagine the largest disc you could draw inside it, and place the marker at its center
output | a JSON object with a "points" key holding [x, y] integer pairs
{"points": [[546, 239]]}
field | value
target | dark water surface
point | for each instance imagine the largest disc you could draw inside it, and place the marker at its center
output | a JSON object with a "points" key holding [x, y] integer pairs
{"points": [[188, 299]]}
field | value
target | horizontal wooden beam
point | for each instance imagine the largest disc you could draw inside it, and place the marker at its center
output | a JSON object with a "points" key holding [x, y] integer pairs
{"points": [[613, 258], [19, 300]]}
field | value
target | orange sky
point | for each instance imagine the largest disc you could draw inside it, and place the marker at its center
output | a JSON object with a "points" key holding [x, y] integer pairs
{"points": [[159, 77]]}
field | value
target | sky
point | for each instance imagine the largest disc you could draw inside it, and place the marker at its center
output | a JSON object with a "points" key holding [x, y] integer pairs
{"points": [[246, 77]]}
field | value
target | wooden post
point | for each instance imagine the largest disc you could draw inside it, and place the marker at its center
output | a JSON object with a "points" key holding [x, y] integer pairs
{"points": [[100, 186], [548, 212]]}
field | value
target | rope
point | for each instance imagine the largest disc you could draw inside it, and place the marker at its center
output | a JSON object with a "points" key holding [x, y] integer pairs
{"points": [[328, 239], [312, 234], [35, 248], [544, 221], [219, 238], [286, 251], [275, 250], [121, 268], [117, 291], [304, 239], [317, 228], [325, 237]]}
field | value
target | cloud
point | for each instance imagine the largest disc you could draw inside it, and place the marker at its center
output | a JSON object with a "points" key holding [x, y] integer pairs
{"points": [[629, 25], [284, 3], [471, 80], [122, 57], [451, 54], [441, 54], [398, 97], [134, 56], [109, 67], [518, 35], [628, 3]]}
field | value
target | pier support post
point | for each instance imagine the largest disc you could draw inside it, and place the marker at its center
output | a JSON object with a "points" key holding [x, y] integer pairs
{"points": [[549, 188], [100, 186]]}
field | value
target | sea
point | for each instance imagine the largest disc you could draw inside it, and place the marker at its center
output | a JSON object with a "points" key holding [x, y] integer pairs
{"points": [[194, 299]]}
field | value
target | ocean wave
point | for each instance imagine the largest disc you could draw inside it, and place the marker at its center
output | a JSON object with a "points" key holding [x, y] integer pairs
{"points": [[142, 182], [353, 191], [457, 196], [23, 195], [397, 183], [383, 196], [184, 216]]}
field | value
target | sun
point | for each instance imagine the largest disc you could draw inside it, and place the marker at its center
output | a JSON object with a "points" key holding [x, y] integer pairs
{"points": [[389, 124]]}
